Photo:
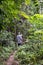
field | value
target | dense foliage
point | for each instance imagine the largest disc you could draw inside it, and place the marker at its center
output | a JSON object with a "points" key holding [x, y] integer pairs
{"points": [[7, 45], [35, 33], [5, 53], [11, 9], [21, 15], [6, 38], [30, 54]]}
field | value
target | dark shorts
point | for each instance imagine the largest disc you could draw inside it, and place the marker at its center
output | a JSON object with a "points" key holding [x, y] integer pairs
{"points": [[19, 44]]}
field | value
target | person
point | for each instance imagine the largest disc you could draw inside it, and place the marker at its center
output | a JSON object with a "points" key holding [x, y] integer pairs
{"points": [[19, 39]]}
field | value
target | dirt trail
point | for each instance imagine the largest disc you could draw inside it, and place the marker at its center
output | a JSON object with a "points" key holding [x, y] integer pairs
{"points": [[11, 60]]}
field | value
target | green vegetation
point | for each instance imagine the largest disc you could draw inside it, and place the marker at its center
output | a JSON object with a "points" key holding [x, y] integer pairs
{"points": [[5, 53], [7, 45], [30, 54], [23, 16]]}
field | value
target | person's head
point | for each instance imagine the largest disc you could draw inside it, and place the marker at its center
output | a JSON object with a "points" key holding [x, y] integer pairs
{"points": [[19, 33]]}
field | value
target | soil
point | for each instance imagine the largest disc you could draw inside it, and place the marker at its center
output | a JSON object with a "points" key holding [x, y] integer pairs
{"points": [[11, 60]]}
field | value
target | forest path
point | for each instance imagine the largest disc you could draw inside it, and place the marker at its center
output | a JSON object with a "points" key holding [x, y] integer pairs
{"points": [[11, 60]]}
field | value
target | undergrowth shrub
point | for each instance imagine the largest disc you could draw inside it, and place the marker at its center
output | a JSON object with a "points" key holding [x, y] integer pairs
{"points": [[6, 38], [7, 45], [30, 54]]}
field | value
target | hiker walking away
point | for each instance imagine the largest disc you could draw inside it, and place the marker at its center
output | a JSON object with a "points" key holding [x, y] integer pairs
{"points": [[19, 39]]}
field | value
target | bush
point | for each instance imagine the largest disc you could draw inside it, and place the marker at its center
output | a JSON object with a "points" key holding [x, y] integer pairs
{"points": [[35, 33], [6, 38], [5, 52], [31, 54]]}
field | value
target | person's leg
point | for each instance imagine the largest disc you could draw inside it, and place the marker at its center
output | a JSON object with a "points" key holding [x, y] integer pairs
{"points": [[19, 44], [16, 45]]}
